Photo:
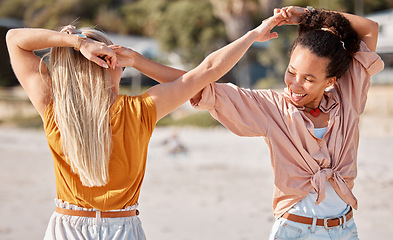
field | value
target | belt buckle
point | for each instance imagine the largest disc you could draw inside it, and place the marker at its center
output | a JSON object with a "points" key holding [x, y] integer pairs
{"points": [[325, 222]]}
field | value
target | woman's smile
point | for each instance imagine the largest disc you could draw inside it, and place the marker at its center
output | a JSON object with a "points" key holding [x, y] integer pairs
{"points": [[306, 77], [297, 97]]}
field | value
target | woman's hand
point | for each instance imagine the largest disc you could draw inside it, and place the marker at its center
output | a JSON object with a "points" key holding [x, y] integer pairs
{"points": [[291, 14], [99, 53], [94, 51], [125, 56], [70, 29], [267, 25]]}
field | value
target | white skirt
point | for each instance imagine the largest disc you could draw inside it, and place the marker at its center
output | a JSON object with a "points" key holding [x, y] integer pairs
{"points": [[64, 227]]}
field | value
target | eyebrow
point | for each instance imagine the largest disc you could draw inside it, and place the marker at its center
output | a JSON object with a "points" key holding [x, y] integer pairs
{"points": [[306, 74]]}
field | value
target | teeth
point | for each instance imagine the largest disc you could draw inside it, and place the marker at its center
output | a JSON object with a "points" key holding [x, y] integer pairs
{"points": [[298, 95]]}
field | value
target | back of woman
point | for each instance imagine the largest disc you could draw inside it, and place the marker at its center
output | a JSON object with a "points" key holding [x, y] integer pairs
{"points": [[98, 142]]}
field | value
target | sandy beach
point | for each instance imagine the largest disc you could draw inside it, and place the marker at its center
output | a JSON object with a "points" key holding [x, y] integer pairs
{"points": [[220, 187]]}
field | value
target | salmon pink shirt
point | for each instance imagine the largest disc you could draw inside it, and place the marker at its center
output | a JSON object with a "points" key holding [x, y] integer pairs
{"points": [[300, 160]]}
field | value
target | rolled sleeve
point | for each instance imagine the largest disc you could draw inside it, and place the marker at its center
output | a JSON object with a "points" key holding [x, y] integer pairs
{"points": [[355, 83], [371, 62], [245, 112]]}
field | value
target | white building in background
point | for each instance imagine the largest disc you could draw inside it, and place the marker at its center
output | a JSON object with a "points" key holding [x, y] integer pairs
{"points": [[385, 45]]}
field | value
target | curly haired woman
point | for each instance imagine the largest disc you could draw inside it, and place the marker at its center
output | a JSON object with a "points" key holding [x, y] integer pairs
{"points": [[312, 128]]}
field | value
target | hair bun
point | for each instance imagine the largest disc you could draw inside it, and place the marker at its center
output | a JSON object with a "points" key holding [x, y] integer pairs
{"points": [[334, 23]]}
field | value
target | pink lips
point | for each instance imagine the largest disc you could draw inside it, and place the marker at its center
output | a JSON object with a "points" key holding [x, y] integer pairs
{"points": [[296, 97]]}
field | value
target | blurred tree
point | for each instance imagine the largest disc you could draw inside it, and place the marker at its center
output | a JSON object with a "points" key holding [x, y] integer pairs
{"points": [[109, 20], [13, 8], [144, 16], [189, 28], [184, 26], [267, 6], [236, 15]]}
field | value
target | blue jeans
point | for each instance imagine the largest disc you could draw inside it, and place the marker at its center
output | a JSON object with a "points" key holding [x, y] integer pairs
{"points": [[286, 229]]}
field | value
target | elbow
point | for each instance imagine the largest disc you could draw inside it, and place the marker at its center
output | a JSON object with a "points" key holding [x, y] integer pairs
{"points": [[372, 36], [374, 27], [11, 36], [212, 67]]}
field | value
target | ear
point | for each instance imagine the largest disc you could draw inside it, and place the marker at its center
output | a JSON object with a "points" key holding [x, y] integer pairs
{"points": [[330, 82]]}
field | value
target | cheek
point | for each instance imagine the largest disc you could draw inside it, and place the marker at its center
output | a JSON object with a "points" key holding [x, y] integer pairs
{"points": [[287, 79], [314, 89]]}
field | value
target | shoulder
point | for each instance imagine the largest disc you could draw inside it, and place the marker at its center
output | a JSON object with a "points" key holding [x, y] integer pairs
{"points": [[133, 102], [367, 59], [139, 108]]}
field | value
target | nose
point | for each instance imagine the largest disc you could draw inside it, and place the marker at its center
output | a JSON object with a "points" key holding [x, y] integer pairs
{"points": [[296, 83]]}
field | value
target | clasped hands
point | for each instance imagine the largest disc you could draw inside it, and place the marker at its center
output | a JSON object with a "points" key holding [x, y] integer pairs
{"points": [[111, 56], [106, 56]]}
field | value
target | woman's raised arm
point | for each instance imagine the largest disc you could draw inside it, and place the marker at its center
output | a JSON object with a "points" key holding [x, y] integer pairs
{"points": [[169, 96], [32, 73], [366, 28], [161, 73]]}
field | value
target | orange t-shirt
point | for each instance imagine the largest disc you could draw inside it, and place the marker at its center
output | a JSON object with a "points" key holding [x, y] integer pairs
{"points": [[133, 121]]}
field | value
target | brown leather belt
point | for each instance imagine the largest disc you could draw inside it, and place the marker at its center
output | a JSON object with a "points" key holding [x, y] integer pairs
{"points": [[94, 214], [326, 222]]}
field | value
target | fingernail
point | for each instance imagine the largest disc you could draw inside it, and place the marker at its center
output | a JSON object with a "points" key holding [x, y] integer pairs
{"points": [[105, 65]]}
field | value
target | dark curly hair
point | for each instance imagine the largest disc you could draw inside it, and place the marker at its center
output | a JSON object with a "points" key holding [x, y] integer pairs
{"points": [[328, 34]]}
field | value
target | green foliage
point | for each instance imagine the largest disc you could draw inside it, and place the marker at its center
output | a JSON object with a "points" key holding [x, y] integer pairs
{"points": [[144, 16], [13, 8], [190, 28], [326, 4], [199, 119], [52, 13], [347, 6], [185, 26], [109, 20]]}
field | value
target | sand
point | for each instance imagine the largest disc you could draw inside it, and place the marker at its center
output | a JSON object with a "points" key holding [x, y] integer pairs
{"points": [[220, 187]]}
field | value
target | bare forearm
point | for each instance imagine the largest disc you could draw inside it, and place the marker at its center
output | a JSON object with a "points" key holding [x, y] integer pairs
{"points": [[159, 72], [221, 61], [31, 39]]}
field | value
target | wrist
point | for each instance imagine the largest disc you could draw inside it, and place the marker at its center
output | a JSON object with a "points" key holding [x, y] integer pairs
{"points": [[309, 9], [80, 39], [252, 35]]}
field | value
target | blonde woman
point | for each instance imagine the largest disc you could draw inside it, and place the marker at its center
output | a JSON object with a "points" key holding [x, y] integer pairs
{"points": [[97, 137]]}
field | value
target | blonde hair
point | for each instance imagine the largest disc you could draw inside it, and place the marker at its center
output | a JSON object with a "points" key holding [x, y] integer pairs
{"points": [[82, 96]]}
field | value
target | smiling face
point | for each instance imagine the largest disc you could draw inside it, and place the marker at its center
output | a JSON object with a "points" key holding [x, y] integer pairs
{"points": [[306, 77]]}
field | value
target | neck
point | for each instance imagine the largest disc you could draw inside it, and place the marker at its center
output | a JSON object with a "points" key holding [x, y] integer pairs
{"points": [[311, 108], [114, 96], [313, 111]]}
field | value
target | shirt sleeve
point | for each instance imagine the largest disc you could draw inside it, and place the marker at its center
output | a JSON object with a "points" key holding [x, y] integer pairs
{"points": [[149, 115], [245, 112], [355, 83]]}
